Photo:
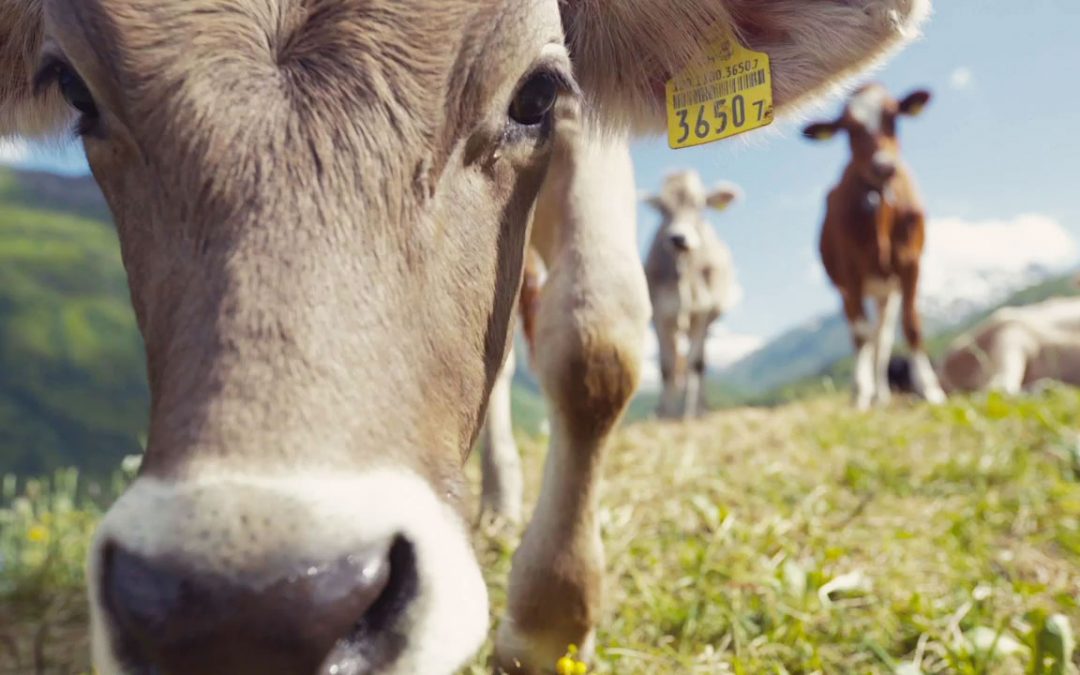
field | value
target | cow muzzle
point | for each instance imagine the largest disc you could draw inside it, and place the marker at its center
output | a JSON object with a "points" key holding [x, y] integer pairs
{"points": [[319, 576]]}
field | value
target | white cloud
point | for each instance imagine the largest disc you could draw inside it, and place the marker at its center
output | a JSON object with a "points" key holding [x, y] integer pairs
{"points": [[961, 78], [722, 349], [968, 264], [13, 151]]}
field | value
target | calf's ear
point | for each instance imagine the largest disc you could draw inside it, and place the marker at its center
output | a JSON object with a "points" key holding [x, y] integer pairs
{"points": [[722, 196], [821, 131], [22, 112], [655, 201], [625, 52], [913, 103]]}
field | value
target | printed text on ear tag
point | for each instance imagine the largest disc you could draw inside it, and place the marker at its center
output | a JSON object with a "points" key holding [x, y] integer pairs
{"points": [[728, 94]]}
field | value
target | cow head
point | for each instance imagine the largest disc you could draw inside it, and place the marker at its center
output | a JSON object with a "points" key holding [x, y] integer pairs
{"points": [[322, 207], [870, 120], [681, 202]]}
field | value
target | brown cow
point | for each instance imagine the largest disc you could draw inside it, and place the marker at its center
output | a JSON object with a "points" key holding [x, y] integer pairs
{"points": [[872, 240], [323, 208]]}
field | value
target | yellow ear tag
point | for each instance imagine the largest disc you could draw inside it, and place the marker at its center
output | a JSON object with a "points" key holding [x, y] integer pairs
{"points": [[728, 94], [914, 110], [824, 135]]}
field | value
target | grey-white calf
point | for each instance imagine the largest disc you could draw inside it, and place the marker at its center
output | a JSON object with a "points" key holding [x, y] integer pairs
{"points": [[691, 285]]}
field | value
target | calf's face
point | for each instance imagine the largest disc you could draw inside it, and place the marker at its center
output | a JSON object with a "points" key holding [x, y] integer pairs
{"points": [[681, 202], [870, 120], [322, 207]]}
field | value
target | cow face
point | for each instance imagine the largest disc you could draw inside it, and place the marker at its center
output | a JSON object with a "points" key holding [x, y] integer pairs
{"points": [[681, 202], [870, 120]]}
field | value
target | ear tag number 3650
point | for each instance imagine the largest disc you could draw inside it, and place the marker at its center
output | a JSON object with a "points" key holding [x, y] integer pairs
{"points": [[728, 94]]}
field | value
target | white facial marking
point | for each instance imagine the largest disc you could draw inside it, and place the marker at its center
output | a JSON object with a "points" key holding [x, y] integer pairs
{"points": [[326, 516], [866, 108], [884, 158]]}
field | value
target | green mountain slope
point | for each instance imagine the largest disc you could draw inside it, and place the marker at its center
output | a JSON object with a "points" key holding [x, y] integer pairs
{"points": [[72, 383]]}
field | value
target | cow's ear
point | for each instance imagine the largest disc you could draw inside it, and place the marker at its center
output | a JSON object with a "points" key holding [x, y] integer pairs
{"points": [[722, 196], [625, 52], [655, 201], [23, 112], [821, 131], [913, 103]]}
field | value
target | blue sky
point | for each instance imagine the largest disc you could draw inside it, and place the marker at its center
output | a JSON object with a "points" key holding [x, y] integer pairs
{"points": [[1000, 141]]}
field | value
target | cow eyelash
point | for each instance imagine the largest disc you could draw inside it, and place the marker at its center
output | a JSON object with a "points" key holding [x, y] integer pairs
{"points": [[56, 72]]}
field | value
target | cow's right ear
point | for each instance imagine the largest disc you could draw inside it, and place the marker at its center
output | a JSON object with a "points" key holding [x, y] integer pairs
{"points": [[24, 112], [821, 131], [655, 201]]}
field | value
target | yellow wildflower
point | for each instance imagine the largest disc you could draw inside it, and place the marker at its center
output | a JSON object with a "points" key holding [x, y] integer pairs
{"points": [[569, 665], [37, 534]]}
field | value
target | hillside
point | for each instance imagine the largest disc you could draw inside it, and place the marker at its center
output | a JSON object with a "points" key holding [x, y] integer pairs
{"points": [[72, 384], [806, 538]]}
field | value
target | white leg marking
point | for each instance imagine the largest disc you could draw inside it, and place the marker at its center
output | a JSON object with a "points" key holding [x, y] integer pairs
{"points": [[888, 315], [864, 376], [924, 380]]}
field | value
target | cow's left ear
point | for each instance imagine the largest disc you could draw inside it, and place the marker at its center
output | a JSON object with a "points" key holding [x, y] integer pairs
{"points": [[913, 103], [624, 53], [722, 196]]}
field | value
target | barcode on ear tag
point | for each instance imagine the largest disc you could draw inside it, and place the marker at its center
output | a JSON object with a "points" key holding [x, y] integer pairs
{"points": [[728, 94]]}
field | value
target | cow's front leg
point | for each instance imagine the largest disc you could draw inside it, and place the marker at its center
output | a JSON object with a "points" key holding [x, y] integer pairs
{"points": [[672, 366], [923, 379], [861, 334], [501, 481], [695, 374], [589, 332], [888, 311]]}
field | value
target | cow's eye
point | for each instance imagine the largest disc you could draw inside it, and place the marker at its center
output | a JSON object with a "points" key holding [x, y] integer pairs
{"points": [[535, 99], [75, 92], [57, 73]]}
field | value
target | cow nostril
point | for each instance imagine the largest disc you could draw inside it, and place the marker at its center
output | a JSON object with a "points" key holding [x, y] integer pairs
{"points": [[679, 242], [168, 614]]}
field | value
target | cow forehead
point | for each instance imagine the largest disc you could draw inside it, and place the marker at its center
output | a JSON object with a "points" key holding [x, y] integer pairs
{"points": [[684, 190], [867, 107], [154, 52], [249, 88]]}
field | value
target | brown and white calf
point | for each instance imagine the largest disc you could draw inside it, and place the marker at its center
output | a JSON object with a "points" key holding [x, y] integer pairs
{"points": [[323, 208], [1016, 348], [691, 284], [872, 240]]}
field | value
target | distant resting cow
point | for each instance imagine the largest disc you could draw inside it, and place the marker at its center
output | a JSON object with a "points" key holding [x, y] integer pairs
{"points": [[872, 240], [691, 281], [323, 208], [1017, 348]]}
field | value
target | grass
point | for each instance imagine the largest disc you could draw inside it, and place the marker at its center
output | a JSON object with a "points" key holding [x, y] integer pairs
{"points": [[801, 539]]}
